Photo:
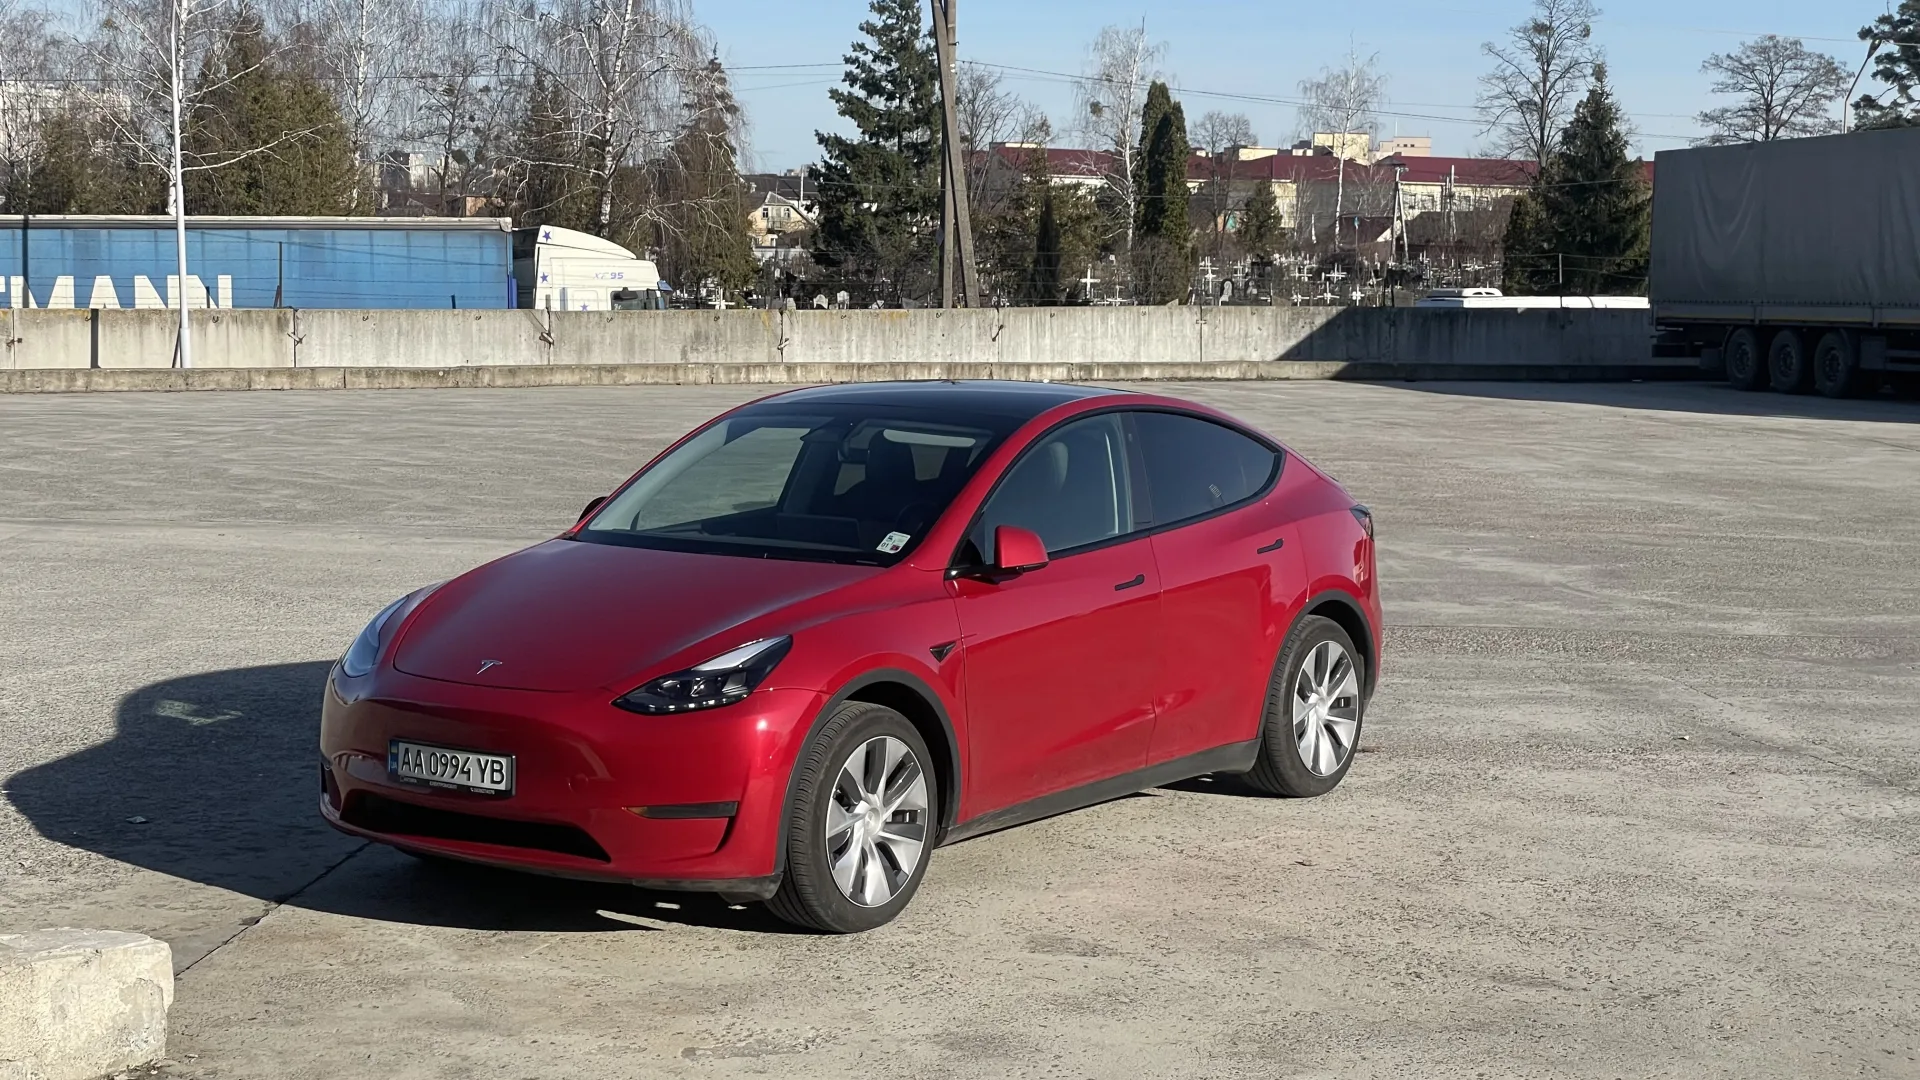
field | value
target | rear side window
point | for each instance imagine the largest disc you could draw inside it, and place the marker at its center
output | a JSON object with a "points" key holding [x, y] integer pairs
{"points": [[1196, 466]]}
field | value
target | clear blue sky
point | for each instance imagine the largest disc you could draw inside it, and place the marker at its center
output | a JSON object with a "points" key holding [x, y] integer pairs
{"points": [[1430, 52]]}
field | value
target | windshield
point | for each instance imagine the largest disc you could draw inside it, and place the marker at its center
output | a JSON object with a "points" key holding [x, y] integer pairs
{"points": [[841, 483]]}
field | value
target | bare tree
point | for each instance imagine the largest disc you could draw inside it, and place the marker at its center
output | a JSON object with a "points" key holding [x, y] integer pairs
{"points": [[1538, 77], [1216, 132], [1109, 96], [458, 104], [1221, 135], [991, 114], [1344, 101], [29, 63], [365, 51], [623, 75], [1784, 91]]}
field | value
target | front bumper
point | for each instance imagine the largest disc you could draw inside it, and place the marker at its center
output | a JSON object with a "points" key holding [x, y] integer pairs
{"points": [[692, 801]]}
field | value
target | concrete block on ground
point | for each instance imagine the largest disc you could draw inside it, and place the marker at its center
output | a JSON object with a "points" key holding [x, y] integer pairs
{"points": [[80, 1004]]}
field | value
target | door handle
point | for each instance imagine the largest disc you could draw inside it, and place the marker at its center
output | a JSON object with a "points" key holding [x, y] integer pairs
{"points": [[1138, 579], [1275, 546]]}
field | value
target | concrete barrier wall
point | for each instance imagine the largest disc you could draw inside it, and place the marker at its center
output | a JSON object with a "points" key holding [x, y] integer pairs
{"points": [[664, 337], [926, 341]]}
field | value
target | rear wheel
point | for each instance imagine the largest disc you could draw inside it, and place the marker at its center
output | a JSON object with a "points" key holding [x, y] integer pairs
{"points": [[1746, 370], [1836, 365], [861, 825], [1314, 705], [1787, 363]]}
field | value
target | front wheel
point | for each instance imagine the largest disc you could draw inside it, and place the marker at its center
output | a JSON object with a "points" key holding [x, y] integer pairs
{"points": [[861, 825], [1314, 706]]}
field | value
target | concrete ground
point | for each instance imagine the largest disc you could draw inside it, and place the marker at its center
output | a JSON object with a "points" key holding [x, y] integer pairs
{"points": [[1639, 796]]}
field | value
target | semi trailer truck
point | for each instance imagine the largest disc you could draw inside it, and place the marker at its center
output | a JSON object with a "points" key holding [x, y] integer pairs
{"points": [[1792, 265], [115, 261]]}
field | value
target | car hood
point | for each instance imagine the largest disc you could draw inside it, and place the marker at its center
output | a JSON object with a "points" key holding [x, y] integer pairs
{"points": [[569, 615]]}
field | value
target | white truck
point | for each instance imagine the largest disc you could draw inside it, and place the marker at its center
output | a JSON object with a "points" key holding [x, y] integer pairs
{"points": [[1494, 299], [563, 270]]}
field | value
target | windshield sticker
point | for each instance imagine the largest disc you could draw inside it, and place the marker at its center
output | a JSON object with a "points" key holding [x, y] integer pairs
{"points": [[894, 542]]}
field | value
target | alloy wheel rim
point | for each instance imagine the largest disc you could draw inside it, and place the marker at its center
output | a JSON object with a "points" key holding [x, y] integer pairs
{"points": [[1326, 709], [876, 828]]}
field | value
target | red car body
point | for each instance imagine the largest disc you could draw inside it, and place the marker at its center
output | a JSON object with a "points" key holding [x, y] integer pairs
{"points": [[1135, 663]]}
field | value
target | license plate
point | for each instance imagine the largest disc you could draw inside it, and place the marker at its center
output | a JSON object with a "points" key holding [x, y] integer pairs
{"points": [[454, 770]]}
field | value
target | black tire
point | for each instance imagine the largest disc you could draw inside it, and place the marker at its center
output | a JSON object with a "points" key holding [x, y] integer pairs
{"points": [[1746, 368], [1788, 366], [1836, 365], [808, 895], [1280, 768]]}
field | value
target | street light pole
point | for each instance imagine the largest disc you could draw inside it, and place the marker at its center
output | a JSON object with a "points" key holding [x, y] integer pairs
{"points": [[177, 44], [1873, 46]]}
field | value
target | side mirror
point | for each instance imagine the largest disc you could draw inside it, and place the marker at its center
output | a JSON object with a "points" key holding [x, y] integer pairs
{"points": [[591, 507], [1017, 550]]}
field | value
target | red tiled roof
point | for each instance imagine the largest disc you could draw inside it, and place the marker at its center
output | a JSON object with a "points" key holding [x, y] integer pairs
{"points": [[1060, 161]]}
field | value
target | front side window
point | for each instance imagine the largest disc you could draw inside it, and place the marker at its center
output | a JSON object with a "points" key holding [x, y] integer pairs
{"points": [[839, 484], [1196, 466], [1072, 488]]}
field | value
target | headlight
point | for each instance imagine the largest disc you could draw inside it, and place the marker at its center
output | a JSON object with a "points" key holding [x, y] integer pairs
{"points": [[723, 680], [365, 649]]}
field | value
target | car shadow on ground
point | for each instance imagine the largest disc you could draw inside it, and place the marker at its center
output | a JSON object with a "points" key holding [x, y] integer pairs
{"points": [[1229, 784], [212, 778], [1713, 398]]}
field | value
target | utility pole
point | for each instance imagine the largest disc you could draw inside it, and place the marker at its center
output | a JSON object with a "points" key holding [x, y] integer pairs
{"points": [[184, 355], [1400, 213], [958, 278]]}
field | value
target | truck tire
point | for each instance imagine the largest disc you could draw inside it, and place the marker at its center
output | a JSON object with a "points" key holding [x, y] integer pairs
{"points": [[1746, 368], [1787, 364], [1836, 365]]}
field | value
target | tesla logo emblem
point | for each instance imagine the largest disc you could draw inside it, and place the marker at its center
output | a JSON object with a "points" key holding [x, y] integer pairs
{"points": [[488, 665]]}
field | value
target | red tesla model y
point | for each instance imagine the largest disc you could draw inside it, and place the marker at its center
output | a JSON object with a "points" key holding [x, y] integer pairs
{"points": [[836, 628]]}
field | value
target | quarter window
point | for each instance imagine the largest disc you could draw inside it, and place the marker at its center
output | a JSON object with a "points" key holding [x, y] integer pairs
{"points": [[1072, 488], [1196, 466]]}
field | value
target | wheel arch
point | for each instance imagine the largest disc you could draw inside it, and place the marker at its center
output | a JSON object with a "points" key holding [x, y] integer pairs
{"points": [[1343, 609], [910, 696]]}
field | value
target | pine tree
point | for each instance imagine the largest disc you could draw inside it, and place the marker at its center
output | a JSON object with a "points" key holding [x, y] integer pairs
{"points": [[1159, 102], [1163, 244], [1897, 68], [1011, 241], [79, 169], [1595, 200], [1526, 268], [268, 137], [549, 163], [705, 236], [1043, 285], [879, 192], [1260, 228]]}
